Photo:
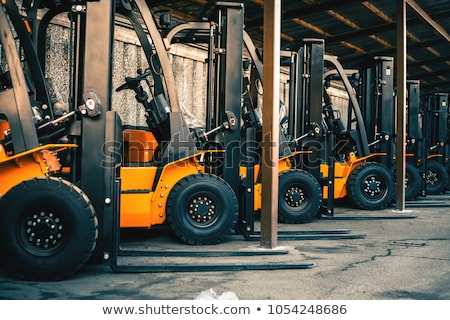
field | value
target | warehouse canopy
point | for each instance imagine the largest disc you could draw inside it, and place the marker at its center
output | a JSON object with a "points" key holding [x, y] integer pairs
{"points": [[353, 30]]}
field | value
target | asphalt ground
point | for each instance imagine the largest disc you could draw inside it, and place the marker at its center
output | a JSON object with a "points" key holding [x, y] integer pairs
{"points": [[355, 255]]}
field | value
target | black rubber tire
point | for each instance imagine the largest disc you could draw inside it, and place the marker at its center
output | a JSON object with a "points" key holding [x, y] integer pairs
{"points": [[299, 197], [48, 229], [413, 181], [214, 202], [370, 186], [448, 175], [436, 178]]}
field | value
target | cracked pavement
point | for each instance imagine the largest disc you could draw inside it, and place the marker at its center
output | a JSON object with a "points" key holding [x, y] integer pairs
{"points": [[397, 259]]}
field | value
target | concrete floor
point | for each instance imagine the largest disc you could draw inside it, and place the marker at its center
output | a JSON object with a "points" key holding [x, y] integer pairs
{"points": [[388, 259]]}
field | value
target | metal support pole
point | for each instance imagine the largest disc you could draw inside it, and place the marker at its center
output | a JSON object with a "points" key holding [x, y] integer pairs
{"points": [[270, 128], [401, 106]]}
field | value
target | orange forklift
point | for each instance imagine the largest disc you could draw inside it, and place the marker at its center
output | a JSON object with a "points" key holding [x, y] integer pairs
{"points": [[340, 154]]}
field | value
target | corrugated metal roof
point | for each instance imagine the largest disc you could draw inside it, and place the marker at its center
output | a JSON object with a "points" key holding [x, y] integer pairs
{"points": [[354, 30]]}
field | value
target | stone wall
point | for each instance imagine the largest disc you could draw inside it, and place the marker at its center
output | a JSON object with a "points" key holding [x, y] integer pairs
{"points": [[189, 67]]}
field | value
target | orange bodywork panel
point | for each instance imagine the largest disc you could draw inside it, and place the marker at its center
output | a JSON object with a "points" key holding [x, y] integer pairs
{"points": [[4, 126], [140, 205], [30, 164], [15, 171], [342, 171], [135, 197], [283, 165], [139, 145]]}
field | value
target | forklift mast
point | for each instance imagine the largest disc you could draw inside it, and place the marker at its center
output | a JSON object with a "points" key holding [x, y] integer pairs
{"points": [[436, 116], [311, 105], [305, 110], [228, 82], [376, 98], [252, 108], [416, 145], [311, 94], [415, 137], [435, 109], [223, 35], [15, 88]]}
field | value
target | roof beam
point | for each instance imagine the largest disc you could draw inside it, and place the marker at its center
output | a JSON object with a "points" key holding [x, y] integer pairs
{"points": [[428, 61], [431, 75], [424, 16], [362, 33], [444, 86], [378, 29], [354, 58], [313, 9]]}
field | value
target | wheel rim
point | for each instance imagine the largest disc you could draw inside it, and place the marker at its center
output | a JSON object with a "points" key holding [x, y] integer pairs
{"points": [[295, 197], [432, 178], [374, 187], [41, 232], [202, 211]]}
